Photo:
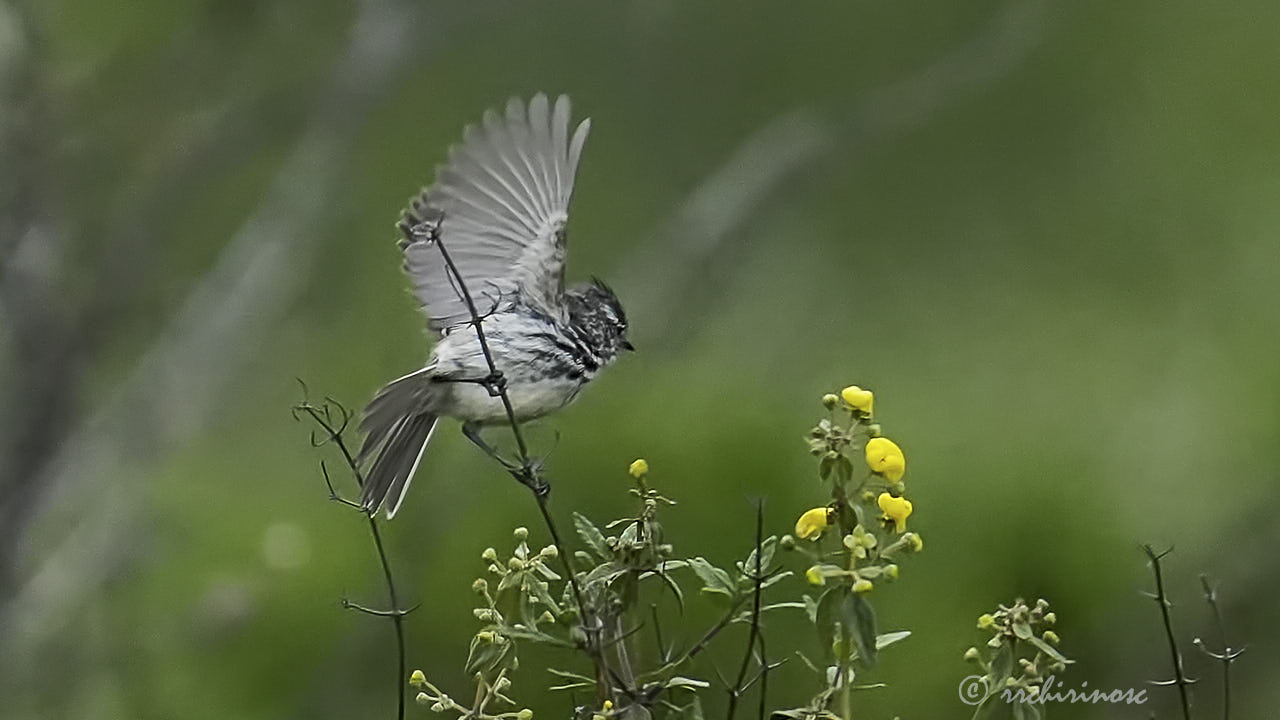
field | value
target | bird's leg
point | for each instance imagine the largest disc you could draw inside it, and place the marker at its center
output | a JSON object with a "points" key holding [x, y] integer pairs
{"points": [[472, 431], [528, 472]]}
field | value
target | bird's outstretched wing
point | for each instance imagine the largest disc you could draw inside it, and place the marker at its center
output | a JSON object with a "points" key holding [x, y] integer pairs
{"points": [[502, 201]]}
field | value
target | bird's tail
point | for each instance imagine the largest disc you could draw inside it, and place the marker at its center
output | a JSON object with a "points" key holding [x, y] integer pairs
{"points": [[397, 427]]}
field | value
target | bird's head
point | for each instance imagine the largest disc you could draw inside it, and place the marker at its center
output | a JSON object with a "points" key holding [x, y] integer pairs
{"points": [[596, 311]]}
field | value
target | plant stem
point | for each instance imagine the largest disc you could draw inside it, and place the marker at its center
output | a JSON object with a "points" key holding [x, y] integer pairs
{"points": [[323, 417], [1179, 675], [526, 474]]}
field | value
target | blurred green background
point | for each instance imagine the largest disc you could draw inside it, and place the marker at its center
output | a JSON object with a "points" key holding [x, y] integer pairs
{"points": [[1044, 233]]}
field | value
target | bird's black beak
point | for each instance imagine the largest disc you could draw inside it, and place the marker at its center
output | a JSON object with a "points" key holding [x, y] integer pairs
{"points": [[626, 345]]}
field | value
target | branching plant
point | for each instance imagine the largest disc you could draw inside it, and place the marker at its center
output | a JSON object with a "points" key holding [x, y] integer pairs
{"points": [[591, 601]]}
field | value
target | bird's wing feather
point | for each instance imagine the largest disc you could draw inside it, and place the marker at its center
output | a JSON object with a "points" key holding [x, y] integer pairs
{"points": [[502, 201]]}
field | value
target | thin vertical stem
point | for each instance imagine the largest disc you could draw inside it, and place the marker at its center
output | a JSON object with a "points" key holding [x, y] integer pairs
{"points": [[322, 416], [754, 633], [526, 474], [1179, 674]]}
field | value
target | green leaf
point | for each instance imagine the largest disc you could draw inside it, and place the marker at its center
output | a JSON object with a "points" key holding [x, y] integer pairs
{"points": [[776, 578], [825, 467], [689, 683], [810, 607], [1021, 629], [859, 620], [575, 680], [714, 579], [844, 470], [887, 639], [826, 620], [1001, 665], [524, 633], [690, 711], [591, 536], [769, 545], [1048, 649], [605, 572]]}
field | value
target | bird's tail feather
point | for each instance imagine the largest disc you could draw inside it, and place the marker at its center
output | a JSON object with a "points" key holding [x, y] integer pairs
{"points": [[397, 428]]}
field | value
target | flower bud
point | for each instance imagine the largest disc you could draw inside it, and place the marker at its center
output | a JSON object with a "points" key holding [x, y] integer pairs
{"points": [[483, 614], [515, 563], [521, 534], [986, 621], [489, 554], [486, 636], [858, 399], [607, 706], [502, 684], [829, 401], [914, 541], [547, 617], [787, 542], [1051, 637], [971, 655], [525, 714], [886, 458], [814, 576], [549, 551], [891, 571], [479, 586], [995, 642], [422, 698], [863, 585], [1050, 618], [417, 678], [874, 430], [639, 468], [438, 707]]}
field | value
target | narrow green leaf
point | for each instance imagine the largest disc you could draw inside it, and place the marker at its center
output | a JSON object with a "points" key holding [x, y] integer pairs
{"points": [[826, 620], [859, 619], [885, 640], [591, 536], [713, 578]]}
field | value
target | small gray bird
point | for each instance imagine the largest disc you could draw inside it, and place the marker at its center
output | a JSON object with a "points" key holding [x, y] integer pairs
{"points": [[499, 207]]}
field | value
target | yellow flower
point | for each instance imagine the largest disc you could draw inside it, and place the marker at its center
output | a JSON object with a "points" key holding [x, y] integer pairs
{"points": [[885, 457], [812, 523], [417, 678], [858, 398], [863, 586], [608, 705], [897, 509], [639, 468], [814, 576]]}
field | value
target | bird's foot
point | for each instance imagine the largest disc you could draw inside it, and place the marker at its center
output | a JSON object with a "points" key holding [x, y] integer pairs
{"points": [[495, 382]]}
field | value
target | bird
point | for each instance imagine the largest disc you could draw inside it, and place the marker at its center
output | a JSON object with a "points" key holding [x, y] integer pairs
{"points": [[499, 207]]}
